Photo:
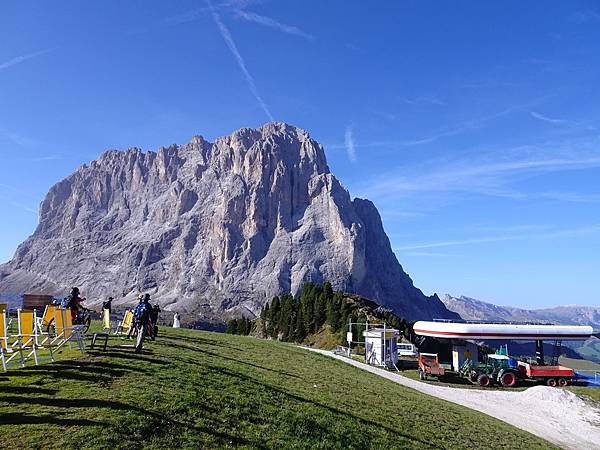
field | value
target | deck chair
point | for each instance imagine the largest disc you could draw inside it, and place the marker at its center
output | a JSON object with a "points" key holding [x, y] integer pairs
{"points": [[44, 336], [106, 319], [66, 332], [3, 338], [4, 307], [46, 319], [123, 327], [26, 339]]}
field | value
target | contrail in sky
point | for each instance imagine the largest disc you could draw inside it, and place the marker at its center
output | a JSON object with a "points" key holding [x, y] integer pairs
{"points": [[238, 57], [20, 59], [349, 143]]}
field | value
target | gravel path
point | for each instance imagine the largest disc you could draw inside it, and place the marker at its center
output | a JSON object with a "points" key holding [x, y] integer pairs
{"points": [[556, 415]]}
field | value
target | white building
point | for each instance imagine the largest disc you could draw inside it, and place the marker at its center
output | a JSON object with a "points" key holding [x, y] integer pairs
{"points": [[381, 346]]}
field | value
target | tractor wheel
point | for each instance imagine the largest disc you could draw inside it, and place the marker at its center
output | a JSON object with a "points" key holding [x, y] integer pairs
{"points": [[508, 379], [473, 376], [484, 380], [551, 382], [563, 382]]}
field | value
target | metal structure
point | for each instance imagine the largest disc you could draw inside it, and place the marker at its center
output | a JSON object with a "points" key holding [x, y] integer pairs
{"points": [[458, 335], [386, 354]]}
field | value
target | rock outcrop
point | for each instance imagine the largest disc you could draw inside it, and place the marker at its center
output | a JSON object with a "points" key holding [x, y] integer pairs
{"points": [[215, 229]]}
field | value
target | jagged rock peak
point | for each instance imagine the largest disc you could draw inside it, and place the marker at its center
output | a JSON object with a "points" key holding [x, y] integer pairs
{"points": [[213, 228]]}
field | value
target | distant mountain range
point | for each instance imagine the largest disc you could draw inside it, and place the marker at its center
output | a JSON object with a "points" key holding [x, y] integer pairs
{"points": [[473, 309]]}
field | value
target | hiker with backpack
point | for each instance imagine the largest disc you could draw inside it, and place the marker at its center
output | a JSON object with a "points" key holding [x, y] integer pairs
{"points": [[141, 315]]}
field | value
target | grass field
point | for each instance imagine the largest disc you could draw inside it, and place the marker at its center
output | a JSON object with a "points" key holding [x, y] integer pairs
{"points": [[195, 389]]}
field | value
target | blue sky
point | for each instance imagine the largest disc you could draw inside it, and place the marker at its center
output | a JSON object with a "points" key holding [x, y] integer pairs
{"points": [[473, 126]]}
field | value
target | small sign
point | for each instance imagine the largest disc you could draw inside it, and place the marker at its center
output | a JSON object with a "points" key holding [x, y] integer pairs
{"points": [[349, 337]]}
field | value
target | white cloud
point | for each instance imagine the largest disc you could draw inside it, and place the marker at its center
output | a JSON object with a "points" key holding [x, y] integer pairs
{"points": [[238, 57], [349, 143], [272, 23], [21, 58], [544, 118], [490, 173], [424, 100], [570, 232]]}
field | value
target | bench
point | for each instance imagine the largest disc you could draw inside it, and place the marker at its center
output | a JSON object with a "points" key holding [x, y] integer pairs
{"points": [[102, 336]]}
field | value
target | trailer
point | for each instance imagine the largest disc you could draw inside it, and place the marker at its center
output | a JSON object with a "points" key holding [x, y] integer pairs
{"points": [[550, 375], [429, 365]]}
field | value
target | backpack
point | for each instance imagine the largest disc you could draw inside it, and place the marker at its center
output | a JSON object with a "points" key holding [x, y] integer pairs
{"points": [[141, 313], [66, 302]]}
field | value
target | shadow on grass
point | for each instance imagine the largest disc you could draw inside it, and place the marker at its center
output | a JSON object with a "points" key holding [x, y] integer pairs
{"points": [[128, 354], [26, 390], [369, 424], [235, 360], [156, 422], [19, 418], [82, 370], [201, 341]]}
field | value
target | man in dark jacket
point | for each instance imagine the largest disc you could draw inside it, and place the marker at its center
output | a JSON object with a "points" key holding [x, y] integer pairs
{"points": [[108, 304], [141, 315], [154, 320]]}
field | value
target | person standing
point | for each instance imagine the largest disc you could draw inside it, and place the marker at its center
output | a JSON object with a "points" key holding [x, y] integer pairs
{"points": [[176, 321], [154, 320], [108, 304], [106, 310], [141, 314], [133, 326]]}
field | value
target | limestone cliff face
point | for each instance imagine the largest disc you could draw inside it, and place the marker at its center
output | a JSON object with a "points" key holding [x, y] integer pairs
{"points": [[214, 228]]}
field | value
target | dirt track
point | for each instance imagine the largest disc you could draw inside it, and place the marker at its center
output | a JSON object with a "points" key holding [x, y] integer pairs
{"points": [[556, 415]]}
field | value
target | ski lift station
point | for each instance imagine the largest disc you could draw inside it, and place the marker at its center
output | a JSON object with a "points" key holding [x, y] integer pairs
{"points": [[381, 346], [457, 341]]}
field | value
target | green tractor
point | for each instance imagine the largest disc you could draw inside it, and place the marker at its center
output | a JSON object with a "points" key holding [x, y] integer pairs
{"points": [[496, 368]]}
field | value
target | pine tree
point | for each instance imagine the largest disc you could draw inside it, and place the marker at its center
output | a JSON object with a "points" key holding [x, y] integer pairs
{"points": [[327, 290], [300, 332], [232, 326], [319, 311], [273, 317]]}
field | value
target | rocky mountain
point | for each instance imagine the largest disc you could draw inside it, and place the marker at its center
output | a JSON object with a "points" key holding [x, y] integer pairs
{"points": [[472, 309], [215, 229]]}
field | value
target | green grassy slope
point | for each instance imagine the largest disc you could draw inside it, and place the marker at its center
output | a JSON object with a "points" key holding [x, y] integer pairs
{"points": [[205, 390]]}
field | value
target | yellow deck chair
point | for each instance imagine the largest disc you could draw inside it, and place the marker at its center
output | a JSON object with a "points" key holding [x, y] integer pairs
{"points": [[47, 318], [26, 339], [3, 338], [106, 319], [60, 337], [126, 322], [44, 337]]}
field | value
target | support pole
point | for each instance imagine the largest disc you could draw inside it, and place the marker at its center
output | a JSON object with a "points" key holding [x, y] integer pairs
{"points": [[539, 352]]}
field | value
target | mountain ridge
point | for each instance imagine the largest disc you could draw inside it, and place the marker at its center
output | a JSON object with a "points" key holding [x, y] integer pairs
{"points": [[473, 309], [217, 228]]}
